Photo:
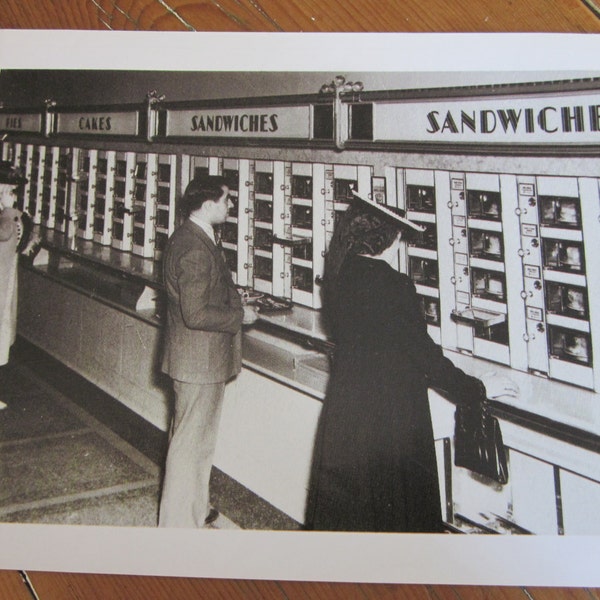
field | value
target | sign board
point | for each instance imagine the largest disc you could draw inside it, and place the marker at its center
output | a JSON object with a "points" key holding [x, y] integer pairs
{"points": [[98, 123], [269, 122], [27, 123], [559, 119]]}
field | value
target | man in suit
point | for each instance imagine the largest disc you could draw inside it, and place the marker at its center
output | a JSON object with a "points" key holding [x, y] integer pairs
{"points": [[202, 350]]}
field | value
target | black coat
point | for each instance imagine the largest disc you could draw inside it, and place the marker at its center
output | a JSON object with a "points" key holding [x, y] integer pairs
{"points": [[375, 467]]}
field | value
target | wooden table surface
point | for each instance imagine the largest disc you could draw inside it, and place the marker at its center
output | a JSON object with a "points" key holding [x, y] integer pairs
{"points": [[572, 16]]}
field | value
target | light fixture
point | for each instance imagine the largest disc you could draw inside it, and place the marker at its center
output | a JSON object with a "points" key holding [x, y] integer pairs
{"points": [[338, 86]]}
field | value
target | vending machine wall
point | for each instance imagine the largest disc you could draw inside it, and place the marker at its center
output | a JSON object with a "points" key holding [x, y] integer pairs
{"points": [[557, 216], [501, 267]]}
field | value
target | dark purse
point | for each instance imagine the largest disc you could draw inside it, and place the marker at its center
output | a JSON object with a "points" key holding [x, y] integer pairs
{"points": [[478, 442]]}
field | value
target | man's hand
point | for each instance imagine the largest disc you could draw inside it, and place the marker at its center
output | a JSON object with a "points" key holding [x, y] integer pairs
{"points": [[497, 386], [250, 315]]}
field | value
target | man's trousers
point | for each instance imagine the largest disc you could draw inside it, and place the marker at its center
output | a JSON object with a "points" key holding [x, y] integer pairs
{"points": [[192, 441]]}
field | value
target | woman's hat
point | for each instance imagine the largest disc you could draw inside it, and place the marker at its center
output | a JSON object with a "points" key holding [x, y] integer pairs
{"points": [[394, 213]]}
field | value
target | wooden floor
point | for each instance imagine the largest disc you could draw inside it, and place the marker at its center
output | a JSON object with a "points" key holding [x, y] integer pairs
{"points": [[575, 16], [305, 15]]}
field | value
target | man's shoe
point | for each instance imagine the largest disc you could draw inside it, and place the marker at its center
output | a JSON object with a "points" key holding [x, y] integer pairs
{"points": [[213, 515]]}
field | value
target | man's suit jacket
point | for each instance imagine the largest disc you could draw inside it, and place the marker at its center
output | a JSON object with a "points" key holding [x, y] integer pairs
{"points": [[204, 311]]}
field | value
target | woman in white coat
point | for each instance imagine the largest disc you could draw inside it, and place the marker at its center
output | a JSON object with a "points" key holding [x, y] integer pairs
{"points": [[15, 238]]}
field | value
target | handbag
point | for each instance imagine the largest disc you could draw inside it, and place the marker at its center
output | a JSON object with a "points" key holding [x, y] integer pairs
{"points": [[478, 444]]}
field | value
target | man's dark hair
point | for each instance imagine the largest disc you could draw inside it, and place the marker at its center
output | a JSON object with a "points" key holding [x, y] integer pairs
{"points": [[201, 189]]}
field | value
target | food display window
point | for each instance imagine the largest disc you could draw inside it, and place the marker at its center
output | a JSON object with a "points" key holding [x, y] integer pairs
{"points": [[430, 308], [566, 300], [563, 255], [489, 285], [302, 217], [557, 211], [263, 183], [486, 244], [263, 267], [263, 211], [569, 345], [484, 205], [426, 239], [302, 278], [342, 189], [420, 198], [263, 239], [424, 271], [302, 186]]}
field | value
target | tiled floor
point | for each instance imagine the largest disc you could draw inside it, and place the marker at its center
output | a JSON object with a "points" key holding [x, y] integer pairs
{"points": [[69, 454]]}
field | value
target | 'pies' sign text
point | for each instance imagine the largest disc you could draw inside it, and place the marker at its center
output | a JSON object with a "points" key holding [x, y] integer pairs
{"points": [[30, 123]]}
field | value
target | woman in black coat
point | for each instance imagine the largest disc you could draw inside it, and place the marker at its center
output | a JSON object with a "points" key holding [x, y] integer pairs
{"points": [[375, 467]]}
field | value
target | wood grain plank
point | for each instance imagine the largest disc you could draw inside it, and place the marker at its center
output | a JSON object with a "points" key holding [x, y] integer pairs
{"points": [[546, 593], [300, 590], [467, 592], [396, 592], [302, 15], [205, 15], [75, 586], [58, 14], [224, 15], [12, 586], [434, 15]]}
